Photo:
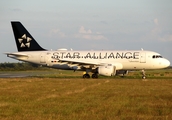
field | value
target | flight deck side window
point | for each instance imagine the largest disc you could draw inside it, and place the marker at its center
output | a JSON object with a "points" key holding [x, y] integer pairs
{"points": [[156, 56]]}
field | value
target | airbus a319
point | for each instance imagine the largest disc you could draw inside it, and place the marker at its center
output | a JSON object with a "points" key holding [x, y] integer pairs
{"points": [[107, 63]]}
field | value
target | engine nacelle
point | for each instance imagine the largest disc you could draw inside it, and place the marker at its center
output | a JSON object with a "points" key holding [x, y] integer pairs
{"points": [[107, 70]]}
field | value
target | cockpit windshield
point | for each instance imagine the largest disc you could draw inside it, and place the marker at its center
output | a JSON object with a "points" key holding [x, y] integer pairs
{"points": [[156, 56]]}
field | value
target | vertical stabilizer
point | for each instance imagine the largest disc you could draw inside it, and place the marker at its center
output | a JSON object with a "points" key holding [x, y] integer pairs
{"points": [[24, 41]]}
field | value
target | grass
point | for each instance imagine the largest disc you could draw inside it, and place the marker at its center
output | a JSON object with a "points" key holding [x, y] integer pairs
{"points": [[65, 95], [54, 98]]}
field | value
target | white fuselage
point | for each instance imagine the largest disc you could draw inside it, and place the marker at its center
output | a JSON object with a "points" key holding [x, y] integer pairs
{"points": [[123, 60], [107, 63]]}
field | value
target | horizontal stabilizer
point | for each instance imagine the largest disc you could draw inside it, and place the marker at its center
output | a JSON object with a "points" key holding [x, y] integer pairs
{"points": [[16, 54]]}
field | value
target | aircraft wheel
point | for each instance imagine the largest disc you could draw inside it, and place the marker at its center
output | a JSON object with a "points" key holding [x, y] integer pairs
{"points": [[86, 76], [94, 75]]}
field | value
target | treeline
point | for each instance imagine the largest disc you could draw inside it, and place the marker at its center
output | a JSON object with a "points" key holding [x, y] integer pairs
{"points": [[20, 66]]}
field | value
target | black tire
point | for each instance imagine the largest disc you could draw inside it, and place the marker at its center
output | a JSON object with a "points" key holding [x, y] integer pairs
{"points": [[94, 75], [86, 76]]}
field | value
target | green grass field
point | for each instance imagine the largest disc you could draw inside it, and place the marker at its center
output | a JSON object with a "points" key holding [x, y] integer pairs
{"points": [[64, 95]]}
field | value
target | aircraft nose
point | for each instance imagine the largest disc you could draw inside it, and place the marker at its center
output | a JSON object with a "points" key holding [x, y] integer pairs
{"points": [[166, 63]]}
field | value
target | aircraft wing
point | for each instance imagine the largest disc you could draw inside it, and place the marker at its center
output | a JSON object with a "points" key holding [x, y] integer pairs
{"points": [[86, 64], [89, 64]]}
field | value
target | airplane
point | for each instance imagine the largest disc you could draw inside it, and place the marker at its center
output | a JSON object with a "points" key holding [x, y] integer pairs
{"points": [[106, 63]]}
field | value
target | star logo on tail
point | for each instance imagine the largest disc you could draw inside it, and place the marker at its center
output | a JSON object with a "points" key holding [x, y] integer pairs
{"points": [[24, 41]]}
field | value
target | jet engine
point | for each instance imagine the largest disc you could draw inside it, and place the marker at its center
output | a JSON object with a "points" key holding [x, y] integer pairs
{"points": [[107, 70]]}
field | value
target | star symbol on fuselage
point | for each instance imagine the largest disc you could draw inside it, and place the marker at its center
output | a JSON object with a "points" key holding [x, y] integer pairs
{"points": [[24, 41]]}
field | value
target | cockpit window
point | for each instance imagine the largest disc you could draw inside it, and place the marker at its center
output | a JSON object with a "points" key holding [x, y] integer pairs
{"points": [[156, 56]]}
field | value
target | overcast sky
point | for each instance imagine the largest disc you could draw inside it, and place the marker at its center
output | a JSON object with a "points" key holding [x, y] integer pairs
{"points": [[90, 24]]}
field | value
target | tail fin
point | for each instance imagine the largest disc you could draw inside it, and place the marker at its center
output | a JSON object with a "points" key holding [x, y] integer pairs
{"points": [[24, 41]]}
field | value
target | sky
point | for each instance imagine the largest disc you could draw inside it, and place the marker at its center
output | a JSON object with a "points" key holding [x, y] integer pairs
{"points": [[89, 25]]}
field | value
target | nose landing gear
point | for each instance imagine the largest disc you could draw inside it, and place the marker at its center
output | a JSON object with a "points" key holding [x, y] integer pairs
{"points": [[143, 74]]}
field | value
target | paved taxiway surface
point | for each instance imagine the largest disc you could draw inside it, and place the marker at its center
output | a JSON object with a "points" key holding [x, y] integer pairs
{"points": [[15, 74], [12, 75]]}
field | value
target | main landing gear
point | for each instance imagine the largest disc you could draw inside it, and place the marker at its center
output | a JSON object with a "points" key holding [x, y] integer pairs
{"points": [[94, 75], [86, 76]]}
